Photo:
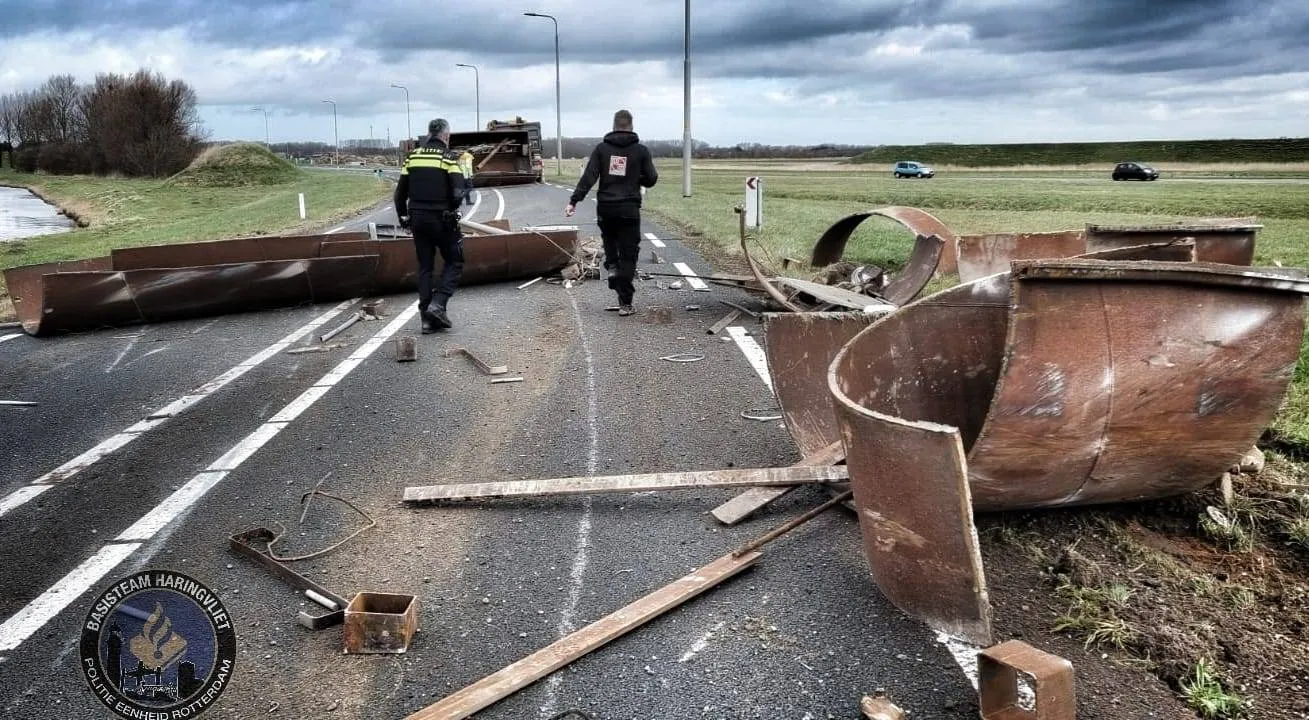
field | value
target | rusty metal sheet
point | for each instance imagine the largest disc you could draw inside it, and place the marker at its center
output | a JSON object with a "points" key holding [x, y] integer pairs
{"points": [[1230, 243], [798, 348], [831, 245], [927, 256], [1170, 251], [1068, 395], [990, 253], [153, 285]]}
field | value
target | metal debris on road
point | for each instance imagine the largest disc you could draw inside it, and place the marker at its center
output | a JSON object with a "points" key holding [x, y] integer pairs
{"points": [[529, 282], [1050, 678], [243, 544], [499, 381], [683, 358], [762, 415], [628, 483], [478, 362], [726, 320], [406, 348], [379, 623]]}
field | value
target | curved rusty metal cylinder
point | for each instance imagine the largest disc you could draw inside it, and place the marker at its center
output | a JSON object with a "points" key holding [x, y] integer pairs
{"points": [[1067, 395], [831, 245], [991, 253], [189, 280], [1229, 242]]}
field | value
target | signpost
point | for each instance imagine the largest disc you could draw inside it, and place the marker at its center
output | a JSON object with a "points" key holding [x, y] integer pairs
{"points": [[754, 202]]}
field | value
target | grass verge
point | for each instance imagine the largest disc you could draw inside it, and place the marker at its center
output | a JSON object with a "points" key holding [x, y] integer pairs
{"points": [[129, 213]]}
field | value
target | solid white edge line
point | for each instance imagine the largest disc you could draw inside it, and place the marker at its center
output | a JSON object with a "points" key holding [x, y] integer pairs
{"points": [[71, 586], [691, 277], [500, 208], [753, 353], [335, 230], [110, 445], [4, 338]]}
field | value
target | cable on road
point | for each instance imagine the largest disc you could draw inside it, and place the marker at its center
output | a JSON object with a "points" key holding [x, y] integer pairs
{"points": [[330, 548]]}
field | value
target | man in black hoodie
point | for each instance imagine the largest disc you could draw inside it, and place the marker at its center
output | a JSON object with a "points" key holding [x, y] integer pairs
{"points": [[623, 166]]}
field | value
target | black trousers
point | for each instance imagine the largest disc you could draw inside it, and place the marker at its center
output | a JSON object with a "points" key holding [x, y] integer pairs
{"points": [[622, 247], [433, 233]]}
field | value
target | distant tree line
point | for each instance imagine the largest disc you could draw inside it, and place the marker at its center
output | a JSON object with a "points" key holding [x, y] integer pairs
{"points": [[139, 125]]}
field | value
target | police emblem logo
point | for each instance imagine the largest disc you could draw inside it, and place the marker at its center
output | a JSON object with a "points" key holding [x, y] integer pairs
{"points": [[156, 645], [618, 165]]}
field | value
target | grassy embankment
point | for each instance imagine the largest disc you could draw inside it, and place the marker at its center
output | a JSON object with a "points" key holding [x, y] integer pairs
{"points": [[799, 204], [227, 192], [1213, 152]]}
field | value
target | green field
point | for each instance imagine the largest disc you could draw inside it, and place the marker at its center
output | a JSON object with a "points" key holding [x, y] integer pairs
{"points": [[1271, 150], [800, 203], [129, 213]]}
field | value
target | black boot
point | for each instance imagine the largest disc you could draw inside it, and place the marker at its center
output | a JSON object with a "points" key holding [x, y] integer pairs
{"points": [[439, 316]]}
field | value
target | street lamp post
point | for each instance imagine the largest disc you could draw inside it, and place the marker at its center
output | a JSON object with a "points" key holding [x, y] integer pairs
{"points": [[408, 126], [559, 132], [477, 89], [267, 144], [686, 105], [335, 133]]}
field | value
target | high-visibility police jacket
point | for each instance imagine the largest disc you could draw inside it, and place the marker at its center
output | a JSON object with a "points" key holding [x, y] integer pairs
{"points": [[430, 180]]}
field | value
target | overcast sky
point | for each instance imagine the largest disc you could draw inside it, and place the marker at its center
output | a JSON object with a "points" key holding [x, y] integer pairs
{"points": [[771, 71]]}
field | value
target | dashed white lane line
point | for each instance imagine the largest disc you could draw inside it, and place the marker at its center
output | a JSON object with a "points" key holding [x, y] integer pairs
{"points": [[654, 240], [45, 607], [500, 208], [6, 338], [691, 278], [753, 353], [158, 417]]}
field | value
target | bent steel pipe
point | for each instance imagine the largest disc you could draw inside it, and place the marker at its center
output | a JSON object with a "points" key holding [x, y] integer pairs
{"points": [[1047, 386]]}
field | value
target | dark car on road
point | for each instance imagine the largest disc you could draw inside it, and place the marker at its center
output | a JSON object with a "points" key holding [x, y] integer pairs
{"points": [[1134, 171]]}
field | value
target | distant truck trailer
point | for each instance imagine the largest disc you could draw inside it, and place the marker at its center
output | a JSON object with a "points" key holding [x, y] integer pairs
{"points": [[506, 153]]}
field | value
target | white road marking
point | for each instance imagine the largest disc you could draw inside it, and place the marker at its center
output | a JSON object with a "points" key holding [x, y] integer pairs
{"points": [[500, 209], [477, 202], [50, 603], [700, 644], [691, 277], [582, 556], [654, 240], [121, 355], [5, 338], [45, 607], [336, 229], [753, 353], [158, 417]]}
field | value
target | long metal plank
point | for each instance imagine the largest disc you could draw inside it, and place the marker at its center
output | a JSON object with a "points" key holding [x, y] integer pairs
{"points": [[501, 684], [747, 503], [737, 477]]}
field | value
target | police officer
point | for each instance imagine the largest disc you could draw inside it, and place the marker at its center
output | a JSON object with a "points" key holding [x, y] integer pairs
{"points": [[427, 200], [466, 168]]}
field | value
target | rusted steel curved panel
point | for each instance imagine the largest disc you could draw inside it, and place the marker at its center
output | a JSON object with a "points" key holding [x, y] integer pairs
{"points": [[1229, 243], [26, 289], [1092, 401], [1170, 251], [225, 252], [73, 301], [990, 253], [910, 394], [831, 246], [914, 276], [1140, 405], [799, 347]]}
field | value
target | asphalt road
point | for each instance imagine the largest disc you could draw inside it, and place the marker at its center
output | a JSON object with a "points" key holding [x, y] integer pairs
{"points": [[804, 634]]}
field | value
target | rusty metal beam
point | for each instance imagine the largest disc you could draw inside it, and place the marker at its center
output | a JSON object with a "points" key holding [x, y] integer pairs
{"points": [[1221, 241], [1098, 382]]}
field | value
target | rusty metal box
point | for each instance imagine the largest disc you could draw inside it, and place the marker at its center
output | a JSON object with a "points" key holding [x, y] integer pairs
{"points": [[380, 623]]}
